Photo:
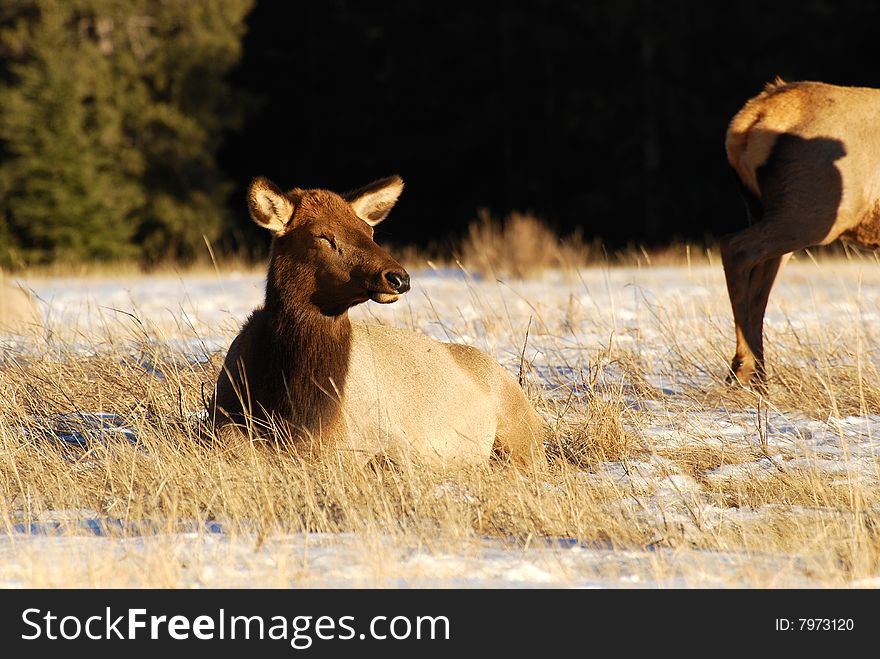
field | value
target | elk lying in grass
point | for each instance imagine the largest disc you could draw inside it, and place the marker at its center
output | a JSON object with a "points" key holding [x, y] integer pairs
{"points": [[807, 159], [301, 371]]}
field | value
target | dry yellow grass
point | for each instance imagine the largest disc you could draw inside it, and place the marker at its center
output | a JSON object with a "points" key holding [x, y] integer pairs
{"points": [[257, 492], [667, 510], [520, 246]]}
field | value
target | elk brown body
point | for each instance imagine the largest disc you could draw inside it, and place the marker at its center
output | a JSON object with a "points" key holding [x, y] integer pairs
{"points": [[807, 159], [301, 372]]}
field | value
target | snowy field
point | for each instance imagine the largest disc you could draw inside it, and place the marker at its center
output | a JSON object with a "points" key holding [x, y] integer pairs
{"points": [[655, 340]]}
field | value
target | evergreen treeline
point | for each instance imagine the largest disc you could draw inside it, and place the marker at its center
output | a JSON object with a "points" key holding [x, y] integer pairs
{"points": [[130, 128], [111, 114]]}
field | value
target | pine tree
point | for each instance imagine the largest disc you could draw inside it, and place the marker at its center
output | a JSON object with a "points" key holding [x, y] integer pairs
{"points": [[111, 113], [62, 196]]}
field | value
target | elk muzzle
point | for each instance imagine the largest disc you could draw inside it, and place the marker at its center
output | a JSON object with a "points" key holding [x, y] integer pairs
{"points": [[392, 284]]}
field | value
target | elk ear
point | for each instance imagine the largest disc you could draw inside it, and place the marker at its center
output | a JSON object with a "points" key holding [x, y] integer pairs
{"points": [[268, 206], [373, 202]]}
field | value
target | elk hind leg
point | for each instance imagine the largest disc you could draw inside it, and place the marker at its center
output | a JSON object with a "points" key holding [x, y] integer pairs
{"points": [[752, 259], [739, 263], [519, 437], [761, 282]]}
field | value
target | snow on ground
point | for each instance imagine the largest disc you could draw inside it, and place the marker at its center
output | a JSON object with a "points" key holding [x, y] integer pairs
{"points": [[561, 325], [194, 560]]}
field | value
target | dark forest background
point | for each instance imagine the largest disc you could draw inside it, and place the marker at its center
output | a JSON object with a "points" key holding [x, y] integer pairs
{"points": [[130, 129]]}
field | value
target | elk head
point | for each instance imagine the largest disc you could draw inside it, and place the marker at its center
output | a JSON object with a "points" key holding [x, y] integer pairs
{"points": [[323, 252]]}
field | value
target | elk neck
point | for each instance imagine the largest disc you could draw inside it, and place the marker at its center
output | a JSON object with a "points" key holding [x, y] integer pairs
{"points": [[311, 349]]}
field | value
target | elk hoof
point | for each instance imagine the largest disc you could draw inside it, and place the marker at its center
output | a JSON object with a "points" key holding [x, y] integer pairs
{"points": [[740, 373], [747, 374]]}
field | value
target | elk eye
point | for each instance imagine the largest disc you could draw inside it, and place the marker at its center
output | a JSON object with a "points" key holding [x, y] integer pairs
{"points": [[329, 239]]}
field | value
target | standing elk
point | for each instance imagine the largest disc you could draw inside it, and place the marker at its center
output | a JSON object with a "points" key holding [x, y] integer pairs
{"points": [[302, 371], [807, 159]]}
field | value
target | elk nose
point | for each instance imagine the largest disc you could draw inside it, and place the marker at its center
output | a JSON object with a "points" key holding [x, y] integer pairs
{"points": [[398, 279]]}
